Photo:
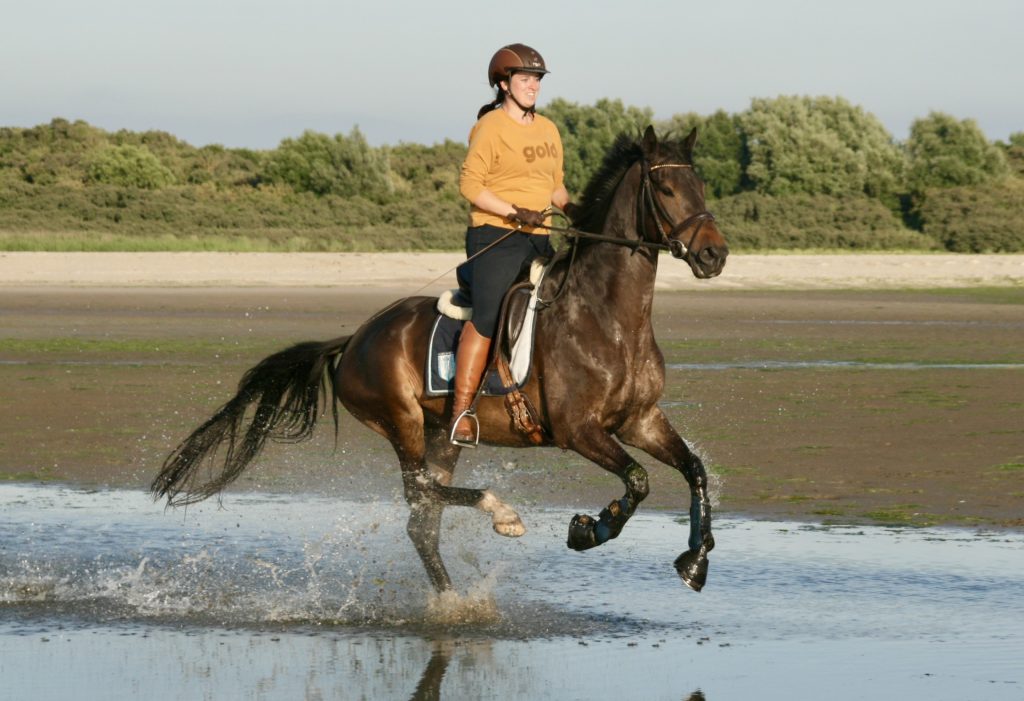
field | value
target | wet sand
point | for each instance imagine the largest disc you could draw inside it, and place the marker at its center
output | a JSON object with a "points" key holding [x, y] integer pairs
{"points": [[840, 388]]}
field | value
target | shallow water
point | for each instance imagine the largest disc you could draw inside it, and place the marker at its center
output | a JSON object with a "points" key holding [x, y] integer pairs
{"points": [[838, 365], [107, 595]]}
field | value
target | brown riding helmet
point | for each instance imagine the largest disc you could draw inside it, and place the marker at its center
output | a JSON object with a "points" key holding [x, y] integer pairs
{"points": [[514, 58]]}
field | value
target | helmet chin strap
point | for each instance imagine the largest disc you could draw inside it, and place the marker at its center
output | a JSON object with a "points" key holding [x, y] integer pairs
{"points": [[532, 109]]}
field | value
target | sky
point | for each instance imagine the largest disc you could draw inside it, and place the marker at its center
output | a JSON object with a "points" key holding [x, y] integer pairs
{"points": [[249, 73]]}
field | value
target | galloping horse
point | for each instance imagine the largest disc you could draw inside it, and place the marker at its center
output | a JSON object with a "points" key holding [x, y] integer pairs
{"points": [[596, 378]]}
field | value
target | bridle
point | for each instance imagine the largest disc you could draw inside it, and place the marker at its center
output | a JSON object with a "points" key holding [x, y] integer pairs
{"points": [[649, 202]]}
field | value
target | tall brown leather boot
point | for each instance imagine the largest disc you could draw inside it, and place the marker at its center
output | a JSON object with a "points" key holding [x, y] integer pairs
{"points": [[470, 363]]}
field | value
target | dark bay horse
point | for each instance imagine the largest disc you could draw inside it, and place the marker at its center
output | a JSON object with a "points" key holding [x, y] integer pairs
{"points": [[596, 379]]}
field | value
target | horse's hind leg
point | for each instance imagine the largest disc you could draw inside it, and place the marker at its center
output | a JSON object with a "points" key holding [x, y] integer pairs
{"points": [[442, 457], [428, 492]]}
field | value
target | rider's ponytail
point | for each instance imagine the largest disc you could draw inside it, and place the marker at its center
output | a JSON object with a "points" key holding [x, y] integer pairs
{"points": [[495, 104]]}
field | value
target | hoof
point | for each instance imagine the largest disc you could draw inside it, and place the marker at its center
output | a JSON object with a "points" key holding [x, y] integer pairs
{"points": [[504, 519], [692, 567], [510, 529], [582, 535]]}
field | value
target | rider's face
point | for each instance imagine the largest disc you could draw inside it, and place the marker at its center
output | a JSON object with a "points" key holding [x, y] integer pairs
{"points": [[524, 87]]}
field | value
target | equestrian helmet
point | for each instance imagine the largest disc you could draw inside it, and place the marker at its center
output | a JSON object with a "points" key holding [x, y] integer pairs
{"points": [[514, 58]]}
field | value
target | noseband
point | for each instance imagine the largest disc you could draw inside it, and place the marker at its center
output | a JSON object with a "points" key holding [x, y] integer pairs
{"points": [[649, 202]]}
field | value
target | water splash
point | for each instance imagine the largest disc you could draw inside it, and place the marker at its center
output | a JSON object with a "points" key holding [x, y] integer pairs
{"points": [[477, 607]]}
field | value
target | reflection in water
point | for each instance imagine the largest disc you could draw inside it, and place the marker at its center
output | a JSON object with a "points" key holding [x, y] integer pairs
{"points": [[429, 688], [837, 364], [103, 594]]}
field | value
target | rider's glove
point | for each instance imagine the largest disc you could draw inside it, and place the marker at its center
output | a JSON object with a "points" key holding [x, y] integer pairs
{"points": [[526, 217]]}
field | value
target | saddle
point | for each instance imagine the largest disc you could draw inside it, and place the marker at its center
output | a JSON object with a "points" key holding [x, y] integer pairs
{"points": [[513, 347], [516, 316]]}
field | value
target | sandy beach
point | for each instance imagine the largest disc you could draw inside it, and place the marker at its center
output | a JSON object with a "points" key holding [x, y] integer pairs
{"points": [[430, 271]]}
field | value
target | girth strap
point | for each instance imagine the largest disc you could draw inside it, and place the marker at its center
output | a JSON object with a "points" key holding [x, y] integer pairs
{"points": [[517, 404]]}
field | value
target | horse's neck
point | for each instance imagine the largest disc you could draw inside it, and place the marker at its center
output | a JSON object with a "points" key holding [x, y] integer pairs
{"points": [[617, 280]]}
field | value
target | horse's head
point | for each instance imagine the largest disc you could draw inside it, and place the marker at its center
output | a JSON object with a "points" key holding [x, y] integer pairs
{"points": [[671, 207]]}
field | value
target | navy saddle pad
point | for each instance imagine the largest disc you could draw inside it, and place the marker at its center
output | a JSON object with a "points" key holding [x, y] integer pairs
{"points": [[440, 371]]}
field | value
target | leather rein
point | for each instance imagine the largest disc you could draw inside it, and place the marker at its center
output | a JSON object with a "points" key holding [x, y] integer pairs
{"points": [[650, 205], [647, 202]]}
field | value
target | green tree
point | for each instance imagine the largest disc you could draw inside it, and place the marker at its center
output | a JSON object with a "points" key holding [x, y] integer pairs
{"points": [[720, 152], [589, 131], [221, 167], [423, 170], [1014, 152], [50, 153], [128, 166], [946, 152], [987, 218], [820, 145], [338, 165]]}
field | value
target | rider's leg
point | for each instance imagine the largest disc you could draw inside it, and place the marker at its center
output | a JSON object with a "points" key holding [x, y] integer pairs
{"points": [[470, 362]]}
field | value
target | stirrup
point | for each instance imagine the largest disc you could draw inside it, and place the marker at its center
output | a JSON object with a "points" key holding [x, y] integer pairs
{"points": [[471, 416]]}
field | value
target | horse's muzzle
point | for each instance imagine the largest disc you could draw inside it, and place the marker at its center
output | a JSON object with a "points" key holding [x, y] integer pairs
{"points": [[706, 263]]}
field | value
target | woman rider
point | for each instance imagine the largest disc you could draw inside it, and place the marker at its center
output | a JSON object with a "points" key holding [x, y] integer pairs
{"points": [[511, 175]]}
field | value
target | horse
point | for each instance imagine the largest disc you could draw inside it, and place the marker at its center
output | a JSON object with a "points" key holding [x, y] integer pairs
{"points": [[596, 378]]}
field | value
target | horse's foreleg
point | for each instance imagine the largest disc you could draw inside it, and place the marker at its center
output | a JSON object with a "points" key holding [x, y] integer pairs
{"points": [[656, 436], [585, 531]]}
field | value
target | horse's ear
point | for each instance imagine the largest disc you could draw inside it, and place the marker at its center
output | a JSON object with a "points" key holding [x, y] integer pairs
{"points": [[690, 141], [650, 142]]}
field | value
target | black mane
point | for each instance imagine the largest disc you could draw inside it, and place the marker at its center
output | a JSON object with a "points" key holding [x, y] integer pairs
{"points": [[626, 151]]}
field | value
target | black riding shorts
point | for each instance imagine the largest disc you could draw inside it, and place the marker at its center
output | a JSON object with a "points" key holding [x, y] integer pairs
{"points": [[488, 277]]}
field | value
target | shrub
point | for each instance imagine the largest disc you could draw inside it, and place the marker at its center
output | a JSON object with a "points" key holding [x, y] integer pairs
{"points": [[421, 170], [325, 165], [945, 152], [819, 145], [719, 156], [980, 219], [589, 131], [128, 166], [753, 221], [1013, 150]]}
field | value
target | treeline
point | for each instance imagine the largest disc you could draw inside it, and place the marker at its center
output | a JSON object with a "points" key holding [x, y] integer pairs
{"points": [[787, 173]]}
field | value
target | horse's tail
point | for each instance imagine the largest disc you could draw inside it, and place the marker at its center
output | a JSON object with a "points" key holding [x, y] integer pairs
{"points": [[285, 391]]}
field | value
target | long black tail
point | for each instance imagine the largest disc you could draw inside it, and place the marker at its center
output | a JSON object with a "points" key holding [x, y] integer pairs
{"points": [[285, 390]]}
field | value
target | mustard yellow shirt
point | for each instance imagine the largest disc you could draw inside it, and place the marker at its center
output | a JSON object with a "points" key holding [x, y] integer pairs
{"points": [[520, 163]]}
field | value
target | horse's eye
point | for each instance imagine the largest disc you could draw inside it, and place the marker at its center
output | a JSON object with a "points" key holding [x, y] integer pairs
{"points": [[662, 186]]}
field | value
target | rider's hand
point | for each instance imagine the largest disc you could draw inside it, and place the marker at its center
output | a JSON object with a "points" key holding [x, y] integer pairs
{"points": [[526, 217], [571, 210]]}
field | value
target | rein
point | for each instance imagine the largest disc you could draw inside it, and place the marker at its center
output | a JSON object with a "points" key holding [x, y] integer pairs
{"points": [[647, 202]]}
